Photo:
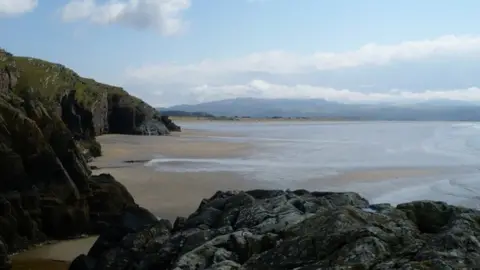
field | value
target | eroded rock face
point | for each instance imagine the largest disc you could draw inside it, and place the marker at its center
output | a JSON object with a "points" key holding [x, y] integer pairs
{"points": [[274, 229], [129, 116], [170, 124], [8, 72], [46, 187], [78, 119]]}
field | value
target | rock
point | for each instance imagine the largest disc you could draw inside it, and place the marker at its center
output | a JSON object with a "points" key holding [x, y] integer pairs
{"points": [[78, 119], [49, 117], [170, 124], [87, 107], [275, 229], [46, 188], [152, 127], [5, 262], [107, 201], [131, 116], [8, 72], [83, 262]]}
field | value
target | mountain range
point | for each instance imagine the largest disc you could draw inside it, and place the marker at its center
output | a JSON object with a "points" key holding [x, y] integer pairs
{"points": [[432, 110]]}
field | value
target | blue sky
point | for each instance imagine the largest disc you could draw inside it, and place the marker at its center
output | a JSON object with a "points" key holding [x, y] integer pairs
{"points": [[187, 51]]}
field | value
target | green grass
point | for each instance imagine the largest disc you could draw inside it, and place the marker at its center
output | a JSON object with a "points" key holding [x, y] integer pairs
{"points": [[51, 81]]}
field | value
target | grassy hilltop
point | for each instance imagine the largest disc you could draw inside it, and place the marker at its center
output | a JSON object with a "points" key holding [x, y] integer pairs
{"points": [[51, 79]]}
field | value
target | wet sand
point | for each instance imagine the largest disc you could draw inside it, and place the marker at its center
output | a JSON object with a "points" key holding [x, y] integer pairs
{"points": [[56, 256], [172, 194], [169, 194], [166, 194]]}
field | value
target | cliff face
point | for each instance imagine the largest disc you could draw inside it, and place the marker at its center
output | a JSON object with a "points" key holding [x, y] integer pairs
{"points": [[46, 187], [88, 107], [48, 115]]}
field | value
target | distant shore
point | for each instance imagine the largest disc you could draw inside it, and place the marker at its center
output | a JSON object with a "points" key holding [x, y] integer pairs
{"points": [[251, 119]]}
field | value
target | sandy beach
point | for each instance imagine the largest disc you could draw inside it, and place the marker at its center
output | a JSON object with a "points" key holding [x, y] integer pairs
{"points": [[166, 194], [170, 194]]}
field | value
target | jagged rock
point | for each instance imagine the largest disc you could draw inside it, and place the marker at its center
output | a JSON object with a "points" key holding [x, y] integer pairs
{"points": [[274, 229], [78, 119], [171, 126], [152, 127], [107, 201], [131, 116], [46, 187], [87, 107]]}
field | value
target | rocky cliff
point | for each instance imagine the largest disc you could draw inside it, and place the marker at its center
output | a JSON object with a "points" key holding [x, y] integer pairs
{"points": [[274, 229], [47, 118], [46, 188], [88, 108]]}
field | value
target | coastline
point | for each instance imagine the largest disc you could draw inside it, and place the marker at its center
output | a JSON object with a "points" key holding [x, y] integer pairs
{"points": [[174, 193], [170, 194]]}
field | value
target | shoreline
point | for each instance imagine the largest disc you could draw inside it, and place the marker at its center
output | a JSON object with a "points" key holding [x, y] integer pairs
{"points": [[177, 194], [170, 194]]}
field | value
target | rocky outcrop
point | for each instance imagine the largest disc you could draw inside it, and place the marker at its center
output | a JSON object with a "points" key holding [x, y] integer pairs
{"points": [[8, 71], [77, 118], [46, 188], [131, 116], [170, 124], [87, 107], [274, 229]]}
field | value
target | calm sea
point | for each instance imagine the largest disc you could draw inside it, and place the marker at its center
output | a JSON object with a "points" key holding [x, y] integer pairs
{"points": [[384, 161]]}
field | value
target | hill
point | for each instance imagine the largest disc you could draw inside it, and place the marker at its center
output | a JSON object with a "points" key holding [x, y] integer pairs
{"points": [[319, 108], [88, 107], [48, 115]]}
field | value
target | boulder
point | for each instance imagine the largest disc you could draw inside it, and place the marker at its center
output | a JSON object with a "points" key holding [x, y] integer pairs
{"points": [[275, 229], [171, 126]]}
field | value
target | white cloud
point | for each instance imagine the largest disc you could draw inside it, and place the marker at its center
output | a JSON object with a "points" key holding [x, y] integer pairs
{"points": [[263, 89], [16, 7], [281, 74], [162, 15], [281, 62]]}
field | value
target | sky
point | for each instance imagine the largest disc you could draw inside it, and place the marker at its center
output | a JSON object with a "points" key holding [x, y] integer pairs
{"points": [[171, 52]]}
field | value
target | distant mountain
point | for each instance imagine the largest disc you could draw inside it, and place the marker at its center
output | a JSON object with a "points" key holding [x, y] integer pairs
{"points": [[184, 113], [318, 108]]}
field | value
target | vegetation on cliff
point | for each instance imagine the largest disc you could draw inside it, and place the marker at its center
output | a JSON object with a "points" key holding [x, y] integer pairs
{"points": [[88, 107], [46, 188], [49, 117]]}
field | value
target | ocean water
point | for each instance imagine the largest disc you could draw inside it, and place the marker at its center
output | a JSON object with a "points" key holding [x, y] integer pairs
{"points": [[384, 161]]}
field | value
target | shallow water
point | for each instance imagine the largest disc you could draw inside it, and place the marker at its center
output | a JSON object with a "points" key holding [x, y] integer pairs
{"points": [[380, 158]]}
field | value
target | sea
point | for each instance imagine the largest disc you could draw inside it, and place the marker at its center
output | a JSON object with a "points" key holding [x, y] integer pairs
{"points": [[386, 162]]}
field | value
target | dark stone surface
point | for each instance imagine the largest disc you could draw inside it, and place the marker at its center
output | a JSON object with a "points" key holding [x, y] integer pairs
{"points": [[46, 187], [170, 124], [274, 229], [46, 139]]}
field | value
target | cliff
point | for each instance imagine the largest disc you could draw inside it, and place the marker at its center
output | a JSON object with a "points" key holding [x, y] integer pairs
{"points": [[275, 229], [88, 108], [48, 114]]}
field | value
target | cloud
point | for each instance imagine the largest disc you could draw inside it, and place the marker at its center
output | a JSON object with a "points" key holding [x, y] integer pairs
{"points": [[411, 67], [164, 16], [263, 89], [16, 7], [281, 62]]}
